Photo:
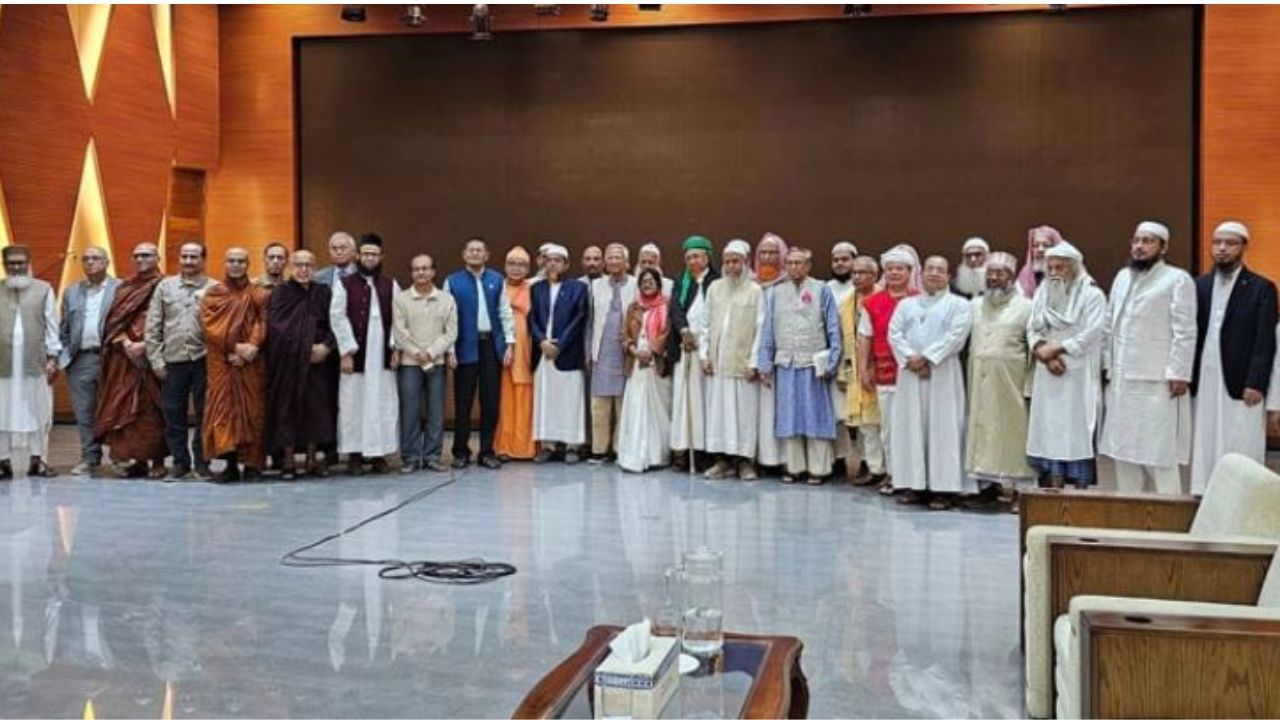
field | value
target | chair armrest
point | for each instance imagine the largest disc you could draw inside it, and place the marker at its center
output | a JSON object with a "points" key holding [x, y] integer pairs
{"points": [[1103, 509], [1064, 562], [1146, 658]]}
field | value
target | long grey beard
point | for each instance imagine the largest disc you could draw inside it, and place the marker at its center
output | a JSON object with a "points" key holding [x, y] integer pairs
{"points": [[998, 296], [1058, 297], [971, 281], [18, 282]]}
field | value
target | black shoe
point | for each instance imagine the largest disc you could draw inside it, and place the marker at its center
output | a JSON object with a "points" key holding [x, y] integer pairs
{"points": [[544, 456], [380, 466], [491, 462], [6, 470], [179, 472], [460, 462], [410, 467]]}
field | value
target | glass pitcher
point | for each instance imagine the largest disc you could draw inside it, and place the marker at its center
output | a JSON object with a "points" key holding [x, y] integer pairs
{"points": [[695, 590]]}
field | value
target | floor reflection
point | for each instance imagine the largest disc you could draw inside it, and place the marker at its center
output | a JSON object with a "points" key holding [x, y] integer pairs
{"points": [[168, 600]]}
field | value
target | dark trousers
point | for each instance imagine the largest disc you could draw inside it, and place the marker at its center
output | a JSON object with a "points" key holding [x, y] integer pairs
{"points": [[487, 374], [183, 381], [416, 387]]}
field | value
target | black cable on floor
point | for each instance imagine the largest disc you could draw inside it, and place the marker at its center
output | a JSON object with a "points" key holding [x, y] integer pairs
{"points": [[471, 571]]}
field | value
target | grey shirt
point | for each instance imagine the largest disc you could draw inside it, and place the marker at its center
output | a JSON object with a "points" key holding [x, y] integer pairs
{"points": [[174, 333]]}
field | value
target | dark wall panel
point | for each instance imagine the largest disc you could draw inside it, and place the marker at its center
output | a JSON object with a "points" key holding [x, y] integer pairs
{"points": [[924, 129]]}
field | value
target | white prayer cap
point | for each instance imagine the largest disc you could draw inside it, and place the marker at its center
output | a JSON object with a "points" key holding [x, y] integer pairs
{"points": [[902, 254], [1004, 260], [554, 250], [1066, 250], [845, 246], [1233, 227], [1150, 227], [542, 249], [975, 242], [650, 247], [737, 247]]}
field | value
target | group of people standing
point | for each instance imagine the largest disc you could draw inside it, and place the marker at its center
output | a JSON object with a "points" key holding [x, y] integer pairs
{"points": [[925, 385]]}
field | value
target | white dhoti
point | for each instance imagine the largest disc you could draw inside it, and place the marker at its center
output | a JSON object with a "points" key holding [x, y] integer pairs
{"points": [[732, 408], [26, 406], [688, 409], [554, 390], [768, 449], [644, 429]]}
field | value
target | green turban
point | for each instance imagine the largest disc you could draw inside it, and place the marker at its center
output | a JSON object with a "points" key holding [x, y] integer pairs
{"points": [[693, 242]]}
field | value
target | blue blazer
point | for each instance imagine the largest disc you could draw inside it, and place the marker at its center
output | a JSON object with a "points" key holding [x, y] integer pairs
{"points": [[71, 324], [569, 329]]}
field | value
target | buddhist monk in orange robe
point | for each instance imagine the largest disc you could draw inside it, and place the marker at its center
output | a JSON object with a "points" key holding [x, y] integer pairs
{"points": [[129, 418], [515, 418], [234, 314]]}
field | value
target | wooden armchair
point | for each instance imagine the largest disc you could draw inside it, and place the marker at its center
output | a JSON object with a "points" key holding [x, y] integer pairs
{"points": [[1214, 551]]}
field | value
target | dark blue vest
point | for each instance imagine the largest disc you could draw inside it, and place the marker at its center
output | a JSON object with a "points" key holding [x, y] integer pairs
{"points": [[462, 286]]}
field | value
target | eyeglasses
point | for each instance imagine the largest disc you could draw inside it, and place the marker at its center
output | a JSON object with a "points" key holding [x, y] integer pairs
{"points": [[141, 256]]}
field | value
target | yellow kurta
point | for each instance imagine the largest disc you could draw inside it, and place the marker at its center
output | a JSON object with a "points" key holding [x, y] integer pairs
{"points": [[860, 404], [999, 373]]}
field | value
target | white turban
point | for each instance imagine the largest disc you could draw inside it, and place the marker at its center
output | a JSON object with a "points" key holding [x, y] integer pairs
{"points": [[1066, 250], [901, 254], [1004, 260], [845, 246], [542, 249], [554, 250], [1233, 227], [975, 242], [1150, 227], [737, 247]]}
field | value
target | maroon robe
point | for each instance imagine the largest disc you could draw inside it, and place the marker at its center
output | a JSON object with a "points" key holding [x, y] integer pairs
{"points": [[302, 407]]}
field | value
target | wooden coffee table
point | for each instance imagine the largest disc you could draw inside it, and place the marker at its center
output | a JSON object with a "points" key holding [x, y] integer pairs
{"points": [[755, 676]]}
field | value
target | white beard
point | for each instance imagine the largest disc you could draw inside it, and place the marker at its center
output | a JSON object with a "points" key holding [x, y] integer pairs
{"points": [[17, 282], [998, 296], [1058, 297], [971, 281]]}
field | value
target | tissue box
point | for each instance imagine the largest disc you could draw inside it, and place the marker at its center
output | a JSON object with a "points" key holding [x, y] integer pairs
{"points": [[642, 689]]}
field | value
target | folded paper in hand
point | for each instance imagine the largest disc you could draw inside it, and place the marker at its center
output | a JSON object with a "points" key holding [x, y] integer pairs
{"points": [[821, 364]]}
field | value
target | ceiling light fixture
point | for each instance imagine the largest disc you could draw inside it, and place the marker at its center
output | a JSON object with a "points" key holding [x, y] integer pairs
{"points": [[414, 16], [599, 13], [481, 23], [353, 13]]}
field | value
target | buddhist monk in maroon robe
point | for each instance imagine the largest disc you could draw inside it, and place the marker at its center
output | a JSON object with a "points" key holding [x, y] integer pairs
{"points": [[129, 418], [234, 315], [302, 368]]}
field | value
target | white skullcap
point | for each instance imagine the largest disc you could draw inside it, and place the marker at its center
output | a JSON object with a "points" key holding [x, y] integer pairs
{"points": [[542, 249], [845, 246], [554, 250], [1004, 260], [1150, 227], [901, 254], [737, 247], [1233, 227], [975, 242], [1066, 250], [649, 247]]}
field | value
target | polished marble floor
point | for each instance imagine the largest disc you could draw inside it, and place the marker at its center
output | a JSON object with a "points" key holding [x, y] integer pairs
{"points": [[152, 599]]}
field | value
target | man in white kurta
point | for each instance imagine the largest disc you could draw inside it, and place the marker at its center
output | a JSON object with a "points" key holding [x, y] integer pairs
{"points": [[689, 391], [927, 333], [999, 373], [841, 285], [1237, 319], [1065, 332], [368, 402], [1147, 357], [727, 343], [29, 348]]}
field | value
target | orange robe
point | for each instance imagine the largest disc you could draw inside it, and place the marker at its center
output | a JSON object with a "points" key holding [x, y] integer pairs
{"points": [[515, 415], [235, 398]]}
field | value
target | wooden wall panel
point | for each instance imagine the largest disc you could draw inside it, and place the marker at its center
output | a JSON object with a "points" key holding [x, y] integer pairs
{"points": [[184, 219], [252, 196], [134, 129], [44, 129], [196, 63], [1240, 131]]}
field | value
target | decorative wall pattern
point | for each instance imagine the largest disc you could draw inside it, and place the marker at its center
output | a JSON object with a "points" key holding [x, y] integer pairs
{"points": [[92, 106]]}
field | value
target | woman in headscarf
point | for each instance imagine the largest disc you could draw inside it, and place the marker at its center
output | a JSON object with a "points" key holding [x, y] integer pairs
{"points": [[644, 432], [650, 256]]}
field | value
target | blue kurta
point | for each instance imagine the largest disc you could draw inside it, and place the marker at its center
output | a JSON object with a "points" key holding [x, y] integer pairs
{"points": [[802, 401]]}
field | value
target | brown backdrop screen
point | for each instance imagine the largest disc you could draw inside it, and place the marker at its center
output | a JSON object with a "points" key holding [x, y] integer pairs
{"points": [[919, 129]]}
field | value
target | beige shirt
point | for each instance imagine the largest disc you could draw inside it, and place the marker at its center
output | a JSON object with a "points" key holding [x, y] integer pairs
{"points": [[174, 333], [424, 322]]}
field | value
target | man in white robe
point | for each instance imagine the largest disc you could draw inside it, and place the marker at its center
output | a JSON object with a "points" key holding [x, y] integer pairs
{"points": [[971, 275], [999, 374], [29, 348], [1236, 348], [1148, 356], [1065, 331], [727, 344], [927, 333], [368, 402], [559, 313], [841, 284], [687, 307]]}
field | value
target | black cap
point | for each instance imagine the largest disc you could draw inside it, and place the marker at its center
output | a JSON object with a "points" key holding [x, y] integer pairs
{"points": [[371, 239]]}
